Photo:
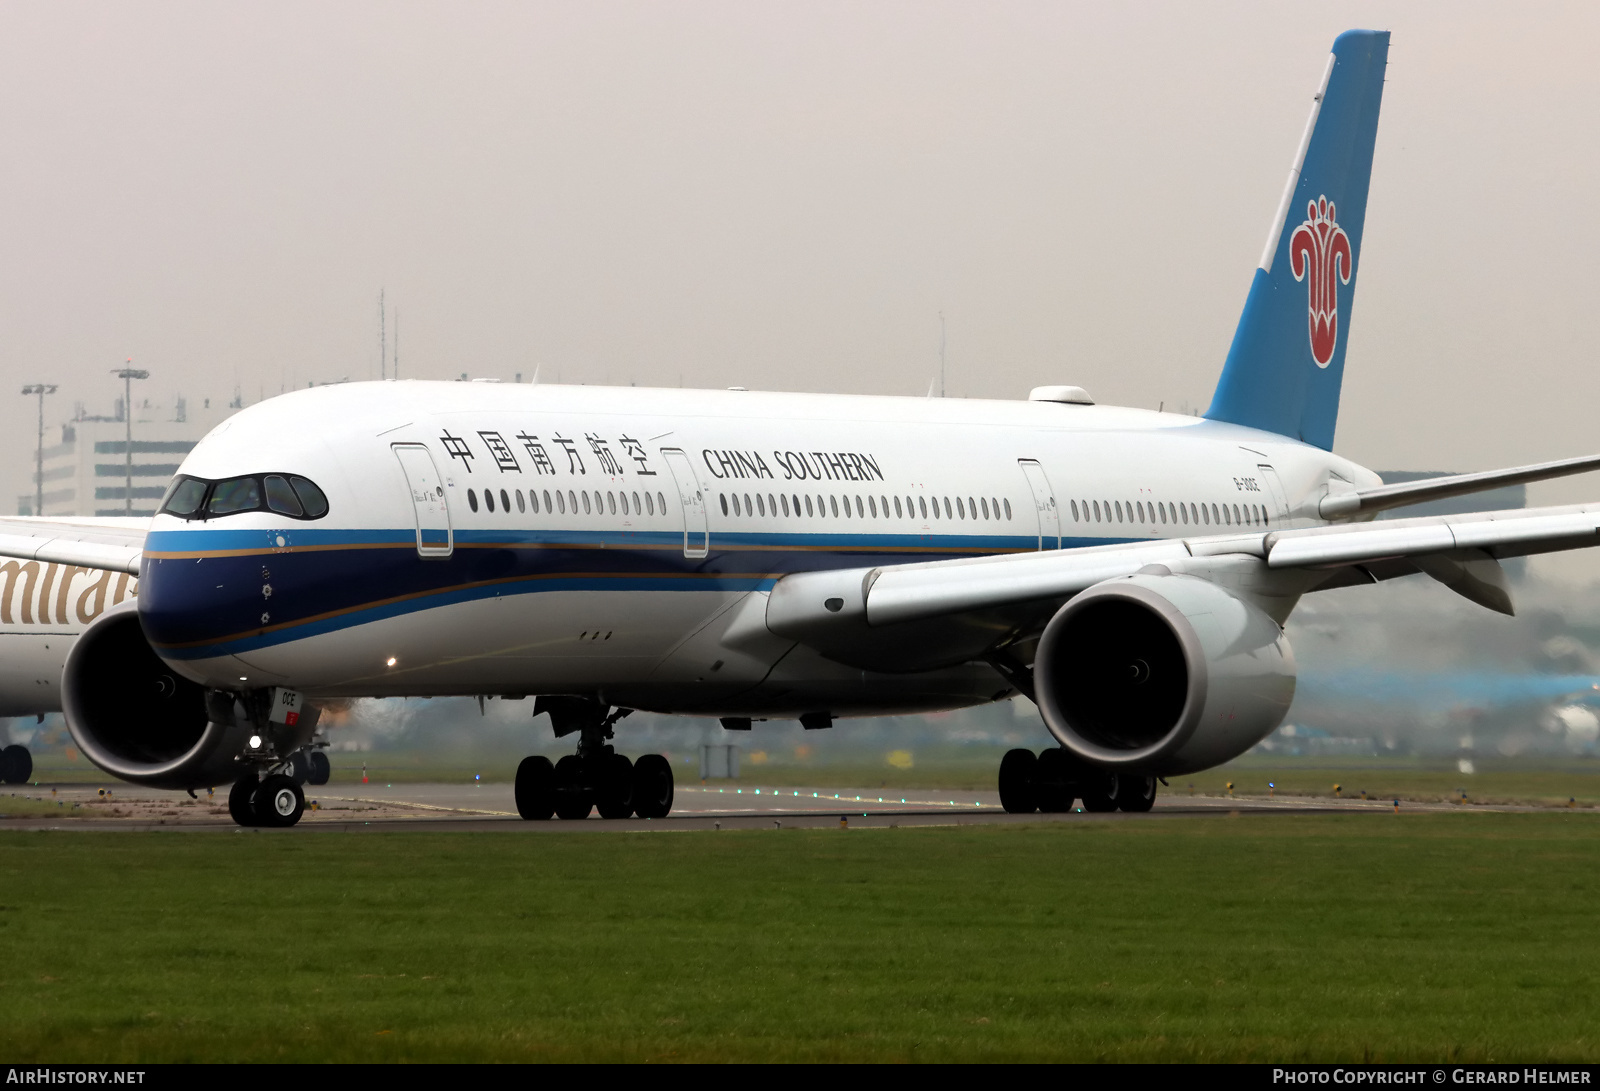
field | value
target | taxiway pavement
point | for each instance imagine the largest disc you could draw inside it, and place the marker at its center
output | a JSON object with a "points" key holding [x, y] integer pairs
{"points": [[376, 807]]}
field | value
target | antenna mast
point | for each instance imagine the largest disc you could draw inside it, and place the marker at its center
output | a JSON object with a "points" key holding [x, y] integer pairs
{"points": [[941, 354], [41, 389], [383, 345]]}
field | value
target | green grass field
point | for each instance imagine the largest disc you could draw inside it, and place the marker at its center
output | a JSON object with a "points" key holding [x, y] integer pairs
{"points": [[25, 802], [1426, 937]]}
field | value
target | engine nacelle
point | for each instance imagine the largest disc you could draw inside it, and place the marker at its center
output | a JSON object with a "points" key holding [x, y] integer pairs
{"points": [[137, 718], [1161, 675]]}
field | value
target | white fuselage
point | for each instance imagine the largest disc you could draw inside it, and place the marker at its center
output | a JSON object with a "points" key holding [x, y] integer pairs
{"points": [[675, 512]]}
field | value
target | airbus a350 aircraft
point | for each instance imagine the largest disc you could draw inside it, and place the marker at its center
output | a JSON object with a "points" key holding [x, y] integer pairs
{"points": [[752, 555]]}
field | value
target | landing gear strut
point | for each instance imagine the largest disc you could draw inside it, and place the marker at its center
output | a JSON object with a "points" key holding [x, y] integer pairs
{"points": [[1054, 779], [596, 777]]}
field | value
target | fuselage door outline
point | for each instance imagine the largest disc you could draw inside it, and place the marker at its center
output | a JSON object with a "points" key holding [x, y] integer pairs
{"points": [[1044, 503], [435, 535], [1280, 501], [692, 502]]}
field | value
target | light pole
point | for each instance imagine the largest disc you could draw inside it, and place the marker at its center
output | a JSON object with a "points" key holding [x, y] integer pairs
{"points": [[127, 375], [41, 389]]}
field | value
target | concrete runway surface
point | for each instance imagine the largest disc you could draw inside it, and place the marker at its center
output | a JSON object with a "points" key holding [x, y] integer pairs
{"points": [[379, 807]]}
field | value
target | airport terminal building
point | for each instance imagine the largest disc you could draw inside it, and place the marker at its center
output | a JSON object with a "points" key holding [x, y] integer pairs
{"points": [[87, 468]]}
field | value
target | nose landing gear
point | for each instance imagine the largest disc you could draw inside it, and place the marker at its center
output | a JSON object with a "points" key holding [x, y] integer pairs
{"points": [[274, 801], [1051, 781]]}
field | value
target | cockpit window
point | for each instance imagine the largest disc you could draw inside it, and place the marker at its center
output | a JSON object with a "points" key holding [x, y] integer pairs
{"points": [[234, 494], [316, 504], [281, 498], [185, 496], [281, 494]]}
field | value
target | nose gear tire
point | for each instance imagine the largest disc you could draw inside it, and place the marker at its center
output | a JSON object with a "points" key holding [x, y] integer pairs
{"points": [[279, 802], [241, 800]]}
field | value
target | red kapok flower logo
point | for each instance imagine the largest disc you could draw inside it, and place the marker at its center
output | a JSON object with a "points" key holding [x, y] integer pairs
{"points": [[1319, 254]]}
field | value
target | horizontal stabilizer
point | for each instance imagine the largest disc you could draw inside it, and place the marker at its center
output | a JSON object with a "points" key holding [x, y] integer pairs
{"points": [[1341, 505]]}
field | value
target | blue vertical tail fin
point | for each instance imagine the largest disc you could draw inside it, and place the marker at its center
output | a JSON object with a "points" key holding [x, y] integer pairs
{"points": [[1286, 363]]}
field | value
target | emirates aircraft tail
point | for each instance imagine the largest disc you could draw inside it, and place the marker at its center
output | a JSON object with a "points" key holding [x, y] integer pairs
{"points": [[1286, 363]]}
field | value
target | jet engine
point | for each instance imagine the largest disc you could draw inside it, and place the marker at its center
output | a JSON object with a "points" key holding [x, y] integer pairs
{"points": [[138, 719], [1159, 674]]}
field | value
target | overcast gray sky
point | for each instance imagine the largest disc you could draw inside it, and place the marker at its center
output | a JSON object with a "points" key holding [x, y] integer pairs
{"points": [[786, 195]]}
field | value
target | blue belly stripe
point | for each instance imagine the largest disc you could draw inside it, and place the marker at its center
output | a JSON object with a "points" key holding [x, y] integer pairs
{"points": [[203, 593]]}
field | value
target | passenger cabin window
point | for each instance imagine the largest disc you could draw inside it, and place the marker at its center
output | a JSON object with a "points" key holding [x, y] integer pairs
{"points": [[282, 494]]}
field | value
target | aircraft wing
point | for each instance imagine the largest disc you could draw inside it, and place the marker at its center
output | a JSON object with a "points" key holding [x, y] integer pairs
{"points": [[1338, 505], [116, 544], [839, 609]]}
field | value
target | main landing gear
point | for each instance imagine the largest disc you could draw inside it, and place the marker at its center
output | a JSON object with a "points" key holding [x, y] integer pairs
{"points": [[310, 767], [272, 801], [1051, 781], [596, 777]]}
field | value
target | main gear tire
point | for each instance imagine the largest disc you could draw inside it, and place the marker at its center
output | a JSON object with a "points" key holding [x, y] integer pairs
{"points": [[652, 786], [572, 799], [614, 799], [1017, 793], [1135, 794], [321, 768], [1053, 782], [1101, 792], [536, 788], [16, 765]]}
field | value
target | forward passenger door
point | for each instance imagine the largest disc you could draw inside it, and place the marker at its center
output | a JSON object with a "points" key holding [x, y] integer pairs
{"points": [[434, 535]]}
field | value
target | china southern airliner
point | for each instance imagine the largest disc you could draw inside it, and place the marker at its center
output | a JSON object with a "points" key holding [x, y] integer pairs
{"points": [[758, 556]]}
